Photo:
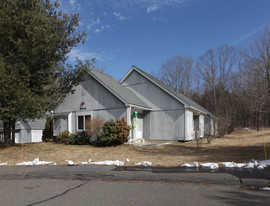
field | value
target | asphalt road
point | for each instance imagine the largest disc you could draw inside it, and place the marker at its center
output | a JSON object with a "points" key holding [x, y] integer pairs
{"points": [[76, 192], [109, 185]]}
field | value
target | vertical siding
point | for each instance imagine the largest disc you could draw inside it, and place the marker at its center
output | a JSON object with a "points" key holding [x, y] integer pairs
{"points": [[94, 95], [98, 102], [166, 120]]}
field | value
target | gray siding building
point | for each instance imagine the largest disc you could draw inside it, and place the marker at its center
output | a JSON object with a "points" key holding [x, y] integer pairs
{"points": [[25, 132], [163, 114]]}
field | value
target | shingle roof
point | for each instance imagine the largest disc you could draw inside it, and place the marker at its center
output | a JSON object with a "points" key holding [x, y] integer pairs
{"points": [[188, 102], [117, 89]]}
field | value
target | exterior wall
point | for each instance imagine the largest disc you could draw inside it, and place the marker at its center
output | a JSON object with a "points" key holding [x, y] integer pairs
{"points": [[189, 126], [98, 102], [31, 131], [167, 119], [208, 125]]}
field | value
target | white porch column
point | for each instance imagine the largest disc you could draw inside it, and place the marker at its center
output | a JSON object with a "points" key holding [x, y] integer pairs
{"points": [[129, 116], [201, 125], [129, 119], [70, 122]]}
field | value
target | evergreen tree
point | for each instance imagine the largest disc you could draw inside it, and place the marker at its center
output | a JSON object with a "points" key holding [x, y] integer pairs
{"points": [[35, 38]]}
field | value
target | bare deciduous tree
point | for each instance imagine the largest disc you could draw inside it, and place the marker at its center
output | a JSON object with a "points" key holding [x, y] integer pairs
{"points": [[215, 68], [255, 64], [177, 73]]}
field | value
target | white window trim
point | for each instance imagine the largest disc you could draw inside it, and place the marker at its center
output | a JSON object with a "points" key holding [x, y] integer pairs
{"points": [[85, 113]]}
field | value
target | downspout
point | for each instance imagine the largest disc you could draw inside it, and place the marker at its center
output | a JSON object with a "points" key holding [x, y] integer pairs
{"points": [[185, 122]]}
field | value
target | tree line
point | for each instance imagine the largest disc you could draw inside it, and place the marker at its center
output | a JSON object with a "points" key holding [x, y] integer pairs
{"points": [[232, 83]]}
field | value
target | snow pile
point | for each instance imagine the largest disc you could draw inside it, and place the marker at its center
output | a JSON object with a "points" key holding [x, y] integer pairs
{"points": [[86, 163], [210, 165], [195, 164], [3, 164], [108, 162], [144, 163], [70, 163], [250, 165], [232, 164], [265, 188], [34, 162], [264, 163]]}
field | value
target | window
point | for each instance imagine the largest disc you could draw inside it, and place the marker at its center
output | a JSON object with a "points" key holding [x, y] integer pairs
{"points": [[84, 122]]}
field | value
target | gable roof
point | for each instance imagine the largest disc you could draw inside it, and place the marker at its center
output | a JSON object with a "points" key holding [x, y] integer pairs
{"points": [[183, 99], [122, 93]]}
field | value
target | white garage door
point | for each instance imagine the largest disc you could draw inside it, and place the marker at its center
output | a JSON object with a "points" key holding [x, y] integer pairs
{"points": [[36, 136]]}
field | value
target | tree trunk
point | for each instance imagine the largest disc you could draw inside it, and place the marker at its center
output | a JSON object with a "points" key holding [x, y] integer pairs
{"points": [[13, 122], [258, 120], [7, 131]]}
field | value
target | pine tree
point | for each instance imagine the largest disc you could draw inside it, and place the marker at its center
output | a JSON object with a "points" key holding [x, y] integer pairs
{"points": [[35, 38]]}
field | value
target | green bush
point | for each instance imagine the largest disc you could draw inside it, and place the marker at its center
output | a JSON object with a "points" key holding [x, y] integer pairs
{"points": [[106, 137], [114, 133], [80, 138], [63, 137], [47, 132]]}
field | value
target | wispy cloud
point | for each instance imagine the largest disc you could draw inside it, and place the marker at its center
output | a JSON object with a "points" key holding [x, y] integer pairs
{"points": [[96, 26], [72, 2], [82, 55], [102, 28], [247, 35], [152, 8], [127, 6], [119, 16]]}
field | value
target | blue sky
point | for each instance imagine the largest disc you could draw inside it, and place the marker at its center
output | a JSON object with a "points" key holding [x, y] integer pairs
{"points": [[145, 33]]}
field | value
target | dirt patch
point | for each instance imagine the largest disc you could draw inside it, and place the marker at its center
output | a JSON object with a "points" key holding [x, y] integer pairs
{"points": [[240, 146]]}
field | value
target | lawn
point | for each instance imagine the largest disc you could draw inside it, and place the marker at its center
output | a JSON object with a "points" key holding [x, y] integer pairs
{"points": [[239, 146]]}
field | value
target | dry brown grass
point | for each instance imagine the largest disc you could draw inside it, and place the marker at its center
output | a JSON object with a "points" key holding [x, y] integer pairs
{"points": [[239, 146]]}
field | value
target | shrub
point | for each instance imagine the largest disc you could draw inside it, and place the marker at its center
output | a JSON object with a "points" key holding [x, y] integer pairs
{"points": [[47, 132], [114, 133], [95, 127], [63, 137], [121, 131], [80, 138], [106, 137]]}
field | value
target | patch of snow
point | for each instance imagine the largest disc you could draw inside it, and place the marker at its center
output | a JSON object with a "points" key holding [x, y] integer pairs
{"points": [[264, 163], [228, 164], [188, 165], [108, 162], [265, 188], [144, 163], [87, 163], [250, 165], [248, 129], [195, 164], [233, 164], [3, 164], [34, 162], [210, 165], [260, 167], [239, 165], [127, 160], [70, 163]]}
